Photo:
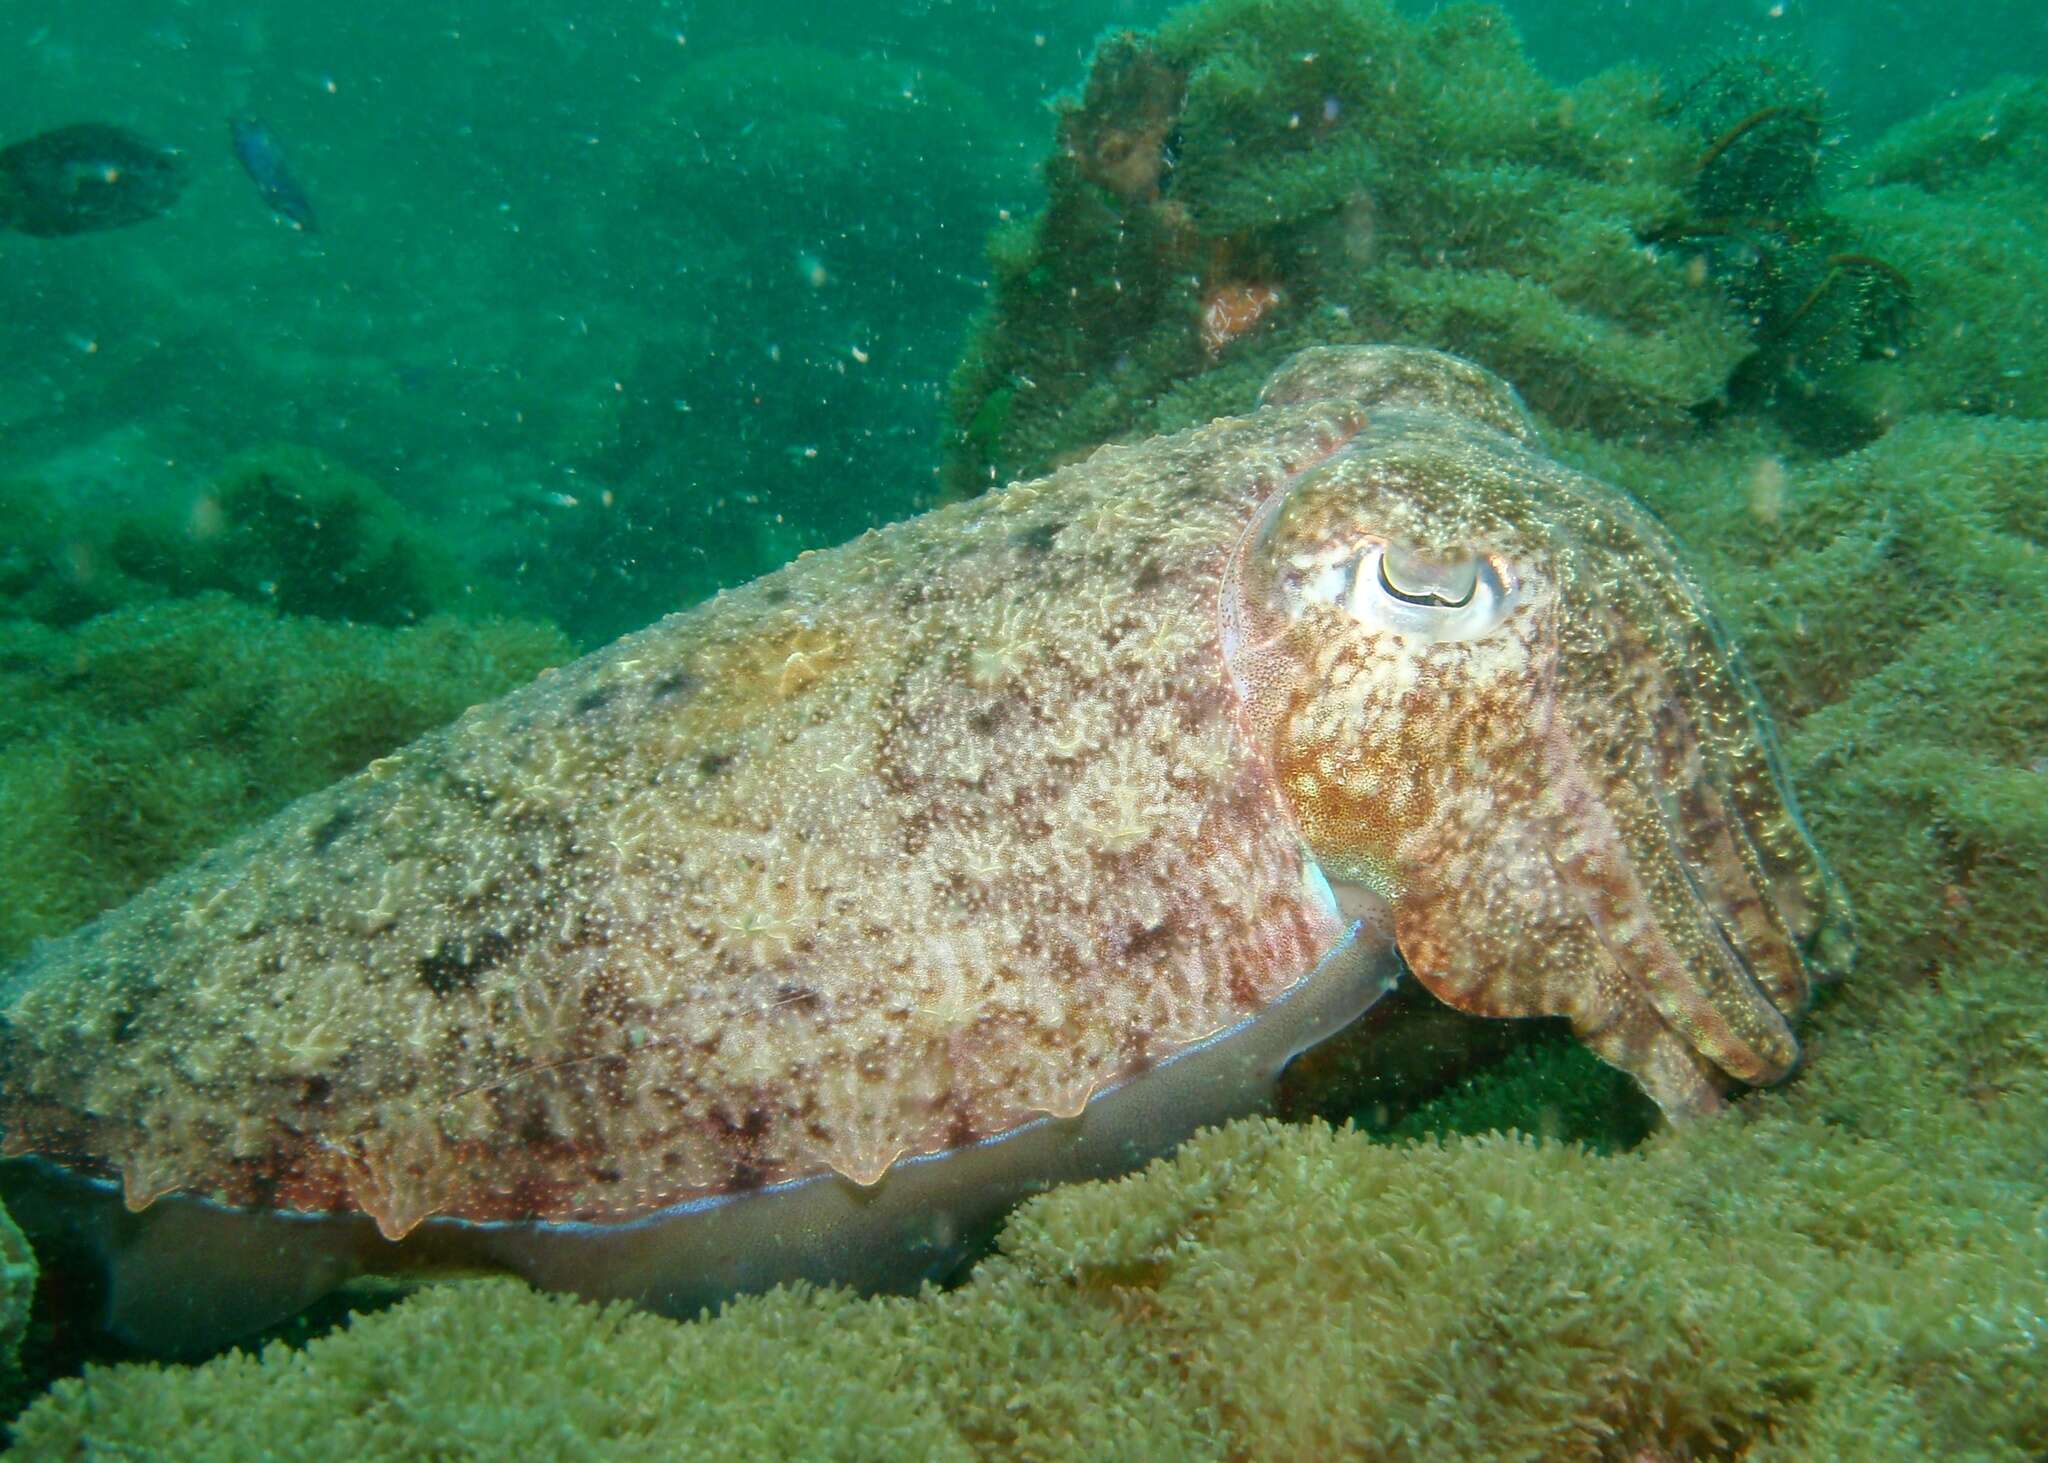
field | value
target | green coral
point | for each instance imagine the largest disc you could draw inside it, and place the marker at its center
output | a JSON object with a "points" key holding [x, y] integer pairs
{"points": [[1633, 261], [147, 735]]}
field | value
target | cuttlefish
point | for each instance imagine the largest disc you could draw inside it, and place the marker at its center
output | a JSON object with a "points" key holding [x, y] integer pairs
{"points": [[804, 931]]}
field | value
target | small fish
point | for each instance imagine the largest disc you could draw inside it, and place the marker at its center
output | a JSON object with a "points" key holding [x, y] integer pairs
{"points": [[84, 178], [262, 158]]}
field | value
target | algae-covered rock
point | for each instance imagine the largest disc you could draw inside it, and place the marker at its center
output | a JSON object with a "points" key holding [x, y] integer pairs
{"points": [[1257, 177], [1991, 140], [1943, 517], [54, 568], [1632, 253], [1980, 319], [145, 736], [1812, 297]]}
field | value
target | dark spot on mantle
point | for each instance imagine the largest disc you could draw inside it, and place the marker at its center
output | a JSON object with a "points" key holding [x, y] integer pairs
{"points": [[1038, 539], [745, 1136], [456, 963], [711, 764], [1149, 577], [675, 683], [336, 824], [591, 701], [961, 1131], [1143, 943]]}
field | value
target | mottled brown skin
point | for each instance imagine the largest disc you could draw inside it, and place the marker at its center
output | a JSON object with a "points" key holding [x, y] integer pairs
{"points": [[880, 855], [1573, 802], [958, 825]]}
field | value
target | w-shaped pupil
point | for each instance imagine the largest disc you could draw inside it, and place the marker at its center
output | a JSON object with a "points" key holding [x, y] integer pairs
{"points": [[1416, 578]]}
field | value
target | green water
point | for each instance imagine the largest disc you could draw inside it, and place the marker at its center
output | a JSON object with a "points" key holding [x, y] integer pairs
{"points": [[630, 248]]}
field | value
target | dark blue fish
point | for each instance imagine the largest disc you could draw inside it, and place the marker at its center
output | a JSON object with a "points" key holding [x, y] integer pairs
{"points": [[263, 160], [77, 180]]}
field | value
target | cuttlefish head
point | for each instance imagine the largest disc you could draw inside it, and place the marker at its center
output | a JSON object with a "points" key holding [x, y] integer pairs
{"points": [[1493, 696]]}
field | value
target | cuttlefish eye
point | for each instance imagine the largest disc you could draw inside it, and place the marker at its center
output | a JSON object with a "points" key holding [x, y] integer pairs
{"points": [[1417, 578], [1436, 594]]}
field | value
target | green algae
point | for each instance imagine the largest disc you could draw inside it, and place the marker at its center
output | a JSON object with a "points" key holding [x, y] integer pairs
{"points": [[288, 527], [1954, 199], [1994, 139], [1392, 181]]}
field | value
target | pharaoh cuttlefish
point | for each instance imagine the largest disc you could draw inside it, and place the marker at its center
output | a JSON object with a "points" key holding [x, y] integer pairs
{"points": [[802, 932]]}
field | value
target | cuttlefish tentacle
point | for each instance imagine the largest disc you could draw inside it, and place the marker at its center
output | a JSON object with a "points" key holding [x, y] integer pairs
{"points": [[1494, 695], [1721, 764], [1582, 907]]}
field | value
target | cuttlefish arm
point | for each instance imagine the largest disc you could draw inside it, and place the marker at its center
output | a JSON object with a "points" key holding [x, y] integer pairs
{"points": [[1495, 697]]}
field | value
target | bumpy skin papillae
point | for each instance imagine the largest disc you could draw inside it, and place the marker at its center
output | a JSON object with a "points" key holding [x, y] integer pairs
{"points": [[921, 838], [884, 854], [1564, 783]]}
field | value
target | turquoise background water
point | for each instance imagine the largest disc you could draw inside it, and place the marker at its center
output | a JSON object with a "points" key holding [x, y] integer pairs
{"points": [[714, 260]]}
